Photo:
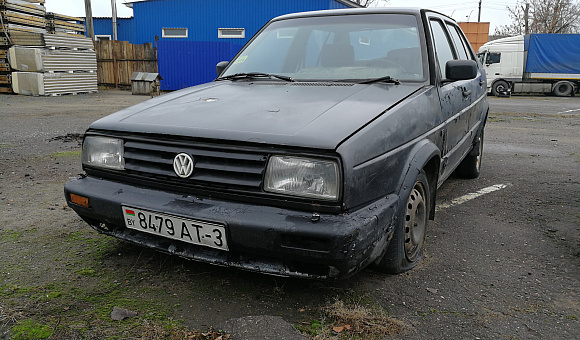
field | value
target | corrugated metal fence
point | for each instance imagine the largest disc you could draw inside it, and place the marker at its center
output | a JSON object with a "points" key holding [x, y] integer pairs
{"points": [[117, 60], [187, 63]]}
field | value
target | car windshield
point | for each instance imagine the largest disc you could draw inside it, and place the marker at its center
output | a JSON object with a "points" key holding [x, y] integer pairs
{"points": [[335, 48]]}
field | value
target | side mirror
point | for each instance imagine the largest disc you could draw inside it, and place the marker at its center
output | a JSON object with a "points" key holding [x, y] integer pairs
{"points": [[460, 69], [221, 66]]}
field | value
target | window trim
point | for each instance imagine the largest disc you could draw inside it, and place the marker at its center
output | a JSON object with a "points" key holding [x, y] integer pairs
{"points": [[97, 36], [164, 35], [450, 42], [221, 34]]}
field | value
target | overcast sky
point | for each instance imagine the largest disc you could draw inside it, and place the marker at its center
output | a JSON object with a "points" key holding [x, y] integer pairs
{"points": [[493, 11]]}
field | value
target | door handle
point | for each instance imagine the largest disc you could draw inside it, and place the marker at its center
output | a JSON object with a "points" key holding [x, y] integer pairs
{"points": [[466, 92], [481, 82]]}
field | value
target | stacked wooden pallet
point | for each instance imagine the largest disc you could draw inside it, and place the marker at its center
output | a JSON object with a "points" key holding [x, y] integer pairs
{"points": [[44, 53]]}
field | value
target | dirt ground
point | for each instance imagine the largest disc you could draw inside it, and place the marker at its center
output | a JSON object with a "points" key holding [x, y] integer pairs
{"points": [[501, 263]]}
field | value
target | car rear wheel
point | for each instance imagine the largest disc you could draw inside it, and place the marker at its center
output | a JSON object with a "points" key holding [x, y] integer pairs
{"points": [[471, 164], [405, 250]]}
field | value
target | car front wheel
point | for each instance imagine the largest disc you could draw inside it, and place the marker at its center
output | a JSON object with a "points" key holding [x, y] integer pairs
{"points": [[405, 250]]}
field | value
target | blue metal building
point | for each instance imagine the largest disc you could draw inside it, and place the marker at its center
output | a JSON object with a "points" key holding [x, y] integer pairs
{"points": [[192, 36], [104, 29]]}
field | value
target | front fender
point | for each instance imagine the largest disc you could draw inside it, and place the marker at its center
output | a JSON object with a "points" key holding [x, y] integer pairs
{"points": [[425, 155]]}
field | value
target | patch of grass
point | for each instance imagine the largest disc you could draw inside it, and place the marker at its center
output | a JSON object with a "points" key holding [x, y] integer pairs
{"points": [[312, 328], [12, 235], [352, 321], [76, 153], [30, 329], [12, 289], [86, 271], [572, 317]]}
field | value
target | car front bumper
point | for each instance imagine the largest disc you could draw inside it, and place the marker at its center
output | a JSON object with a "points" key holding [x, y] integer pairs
{"points": [[261, 238]]}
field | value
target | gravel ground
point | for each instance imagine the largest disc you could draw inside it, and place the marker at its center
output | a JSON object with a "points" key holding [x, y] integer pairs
{"points": [[502, 263]]}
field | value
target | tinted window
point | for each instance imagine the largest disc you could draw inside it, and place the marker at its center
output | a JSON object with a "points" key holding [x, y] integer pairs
{"points": [[442, 47]]}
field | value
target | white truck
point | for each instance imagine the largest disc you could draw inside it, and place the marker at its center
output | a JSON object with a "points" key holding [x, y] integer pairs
{"points": [[534, 63]]}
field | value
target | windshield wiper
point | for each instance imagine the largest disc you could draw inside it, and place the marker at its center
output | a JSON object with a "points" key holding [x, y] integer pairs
{"points": [[236, 76], [385, 79]]}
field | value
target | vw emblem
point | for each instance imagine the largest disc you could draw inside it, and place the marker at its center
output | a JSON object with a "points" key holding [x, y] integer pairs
{"points": [[183, 165]]}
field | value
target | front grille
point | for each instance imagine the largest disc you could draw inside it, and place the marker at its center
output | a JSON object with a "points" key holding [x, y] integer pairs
{"points": [[215, 166]]}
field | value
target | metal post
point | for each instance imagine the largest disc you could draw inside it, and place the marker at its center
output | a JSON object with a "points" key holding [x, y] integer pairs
{"points": [[479, 14], [89, 19], [526, 15], [114, 9]]}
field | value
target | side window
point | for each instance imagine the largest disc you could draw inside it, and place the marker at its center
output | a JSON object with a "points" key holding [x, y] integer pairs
{"points": [[442, 46], [493, 58], [459, 46]]}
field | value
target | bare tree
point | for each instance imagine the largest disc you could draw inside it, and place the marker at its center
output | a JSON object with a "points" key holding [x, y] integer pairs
{"points": [[365, 3], [544, 16]]}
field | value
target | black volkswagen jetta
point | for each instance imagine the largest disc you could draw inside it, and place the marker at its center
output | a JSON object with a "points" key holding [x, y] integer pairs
{"points": [[316, 152]]}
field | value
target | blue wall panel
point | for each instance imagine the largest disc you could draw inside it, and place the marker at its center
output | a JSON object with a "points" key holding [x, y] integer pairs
{"points": [[190, 61], [125, 28], [203, 18], [187, 63]]}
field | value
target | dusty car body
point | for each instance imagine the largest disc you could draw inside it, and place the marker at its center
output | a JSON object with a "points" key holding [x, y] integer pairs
{"points": [[316, 152]]}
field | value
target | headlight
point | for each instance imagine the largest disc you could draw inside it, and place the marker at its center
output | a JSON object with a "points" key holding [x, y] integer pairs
{"points": [[302, 177], [103, 152]]}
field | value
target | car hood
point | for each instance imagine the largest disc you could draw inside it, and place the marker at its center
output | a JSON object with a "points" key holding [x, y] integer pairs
{"points": [[317, 115]]}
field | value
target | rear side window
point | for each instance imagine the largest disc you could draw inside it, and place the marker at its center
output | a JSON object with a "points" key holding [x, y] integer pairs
{"points": [[442, 45], [459, 43]]}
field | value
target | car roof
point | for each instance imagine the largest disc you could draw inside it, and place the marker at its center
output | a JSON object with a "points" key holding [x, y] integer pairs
{"points": [[355, 11]]}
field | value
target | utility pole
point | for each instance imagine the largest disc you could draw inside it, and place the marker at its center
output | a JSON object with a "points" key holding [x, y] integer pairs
{"points": [[114, 17], [479, 14], [89, 19], [526, 16]]}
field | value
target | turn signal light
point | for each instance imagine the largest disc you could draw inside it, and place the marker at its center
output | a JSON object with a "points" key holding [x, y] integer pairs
{"points": [[80, 200]]}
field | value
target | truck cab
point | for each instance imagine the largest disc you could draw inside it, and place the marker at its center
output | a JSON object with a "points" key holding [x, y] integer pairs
{"points": [[503, 61]]}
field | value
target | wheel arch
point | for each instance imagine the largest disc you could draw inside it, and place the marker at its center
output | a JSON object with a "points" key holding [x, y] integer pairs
{"points": [[425, 156]]}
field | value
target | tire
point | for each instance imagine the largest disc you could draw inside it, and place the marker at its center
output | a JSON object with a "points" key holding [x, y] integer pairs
{"points": [[499, 87], [471, 164], [562, 89], [405, 250]]}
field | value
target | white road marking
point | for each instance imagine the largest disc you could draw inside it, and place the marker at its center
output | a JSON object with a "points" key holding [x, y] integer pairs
{"points": [[470, 196], [568, 111]]}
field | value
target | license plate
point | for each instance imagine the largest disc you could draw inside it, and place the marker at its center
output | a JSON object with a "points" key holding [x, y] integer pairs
{"points": [[178, 228]]}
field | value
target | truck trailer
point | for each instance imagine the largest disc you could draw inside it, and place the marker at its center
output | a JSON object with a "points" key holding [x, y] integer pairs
{"points": [[533, 63]]}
